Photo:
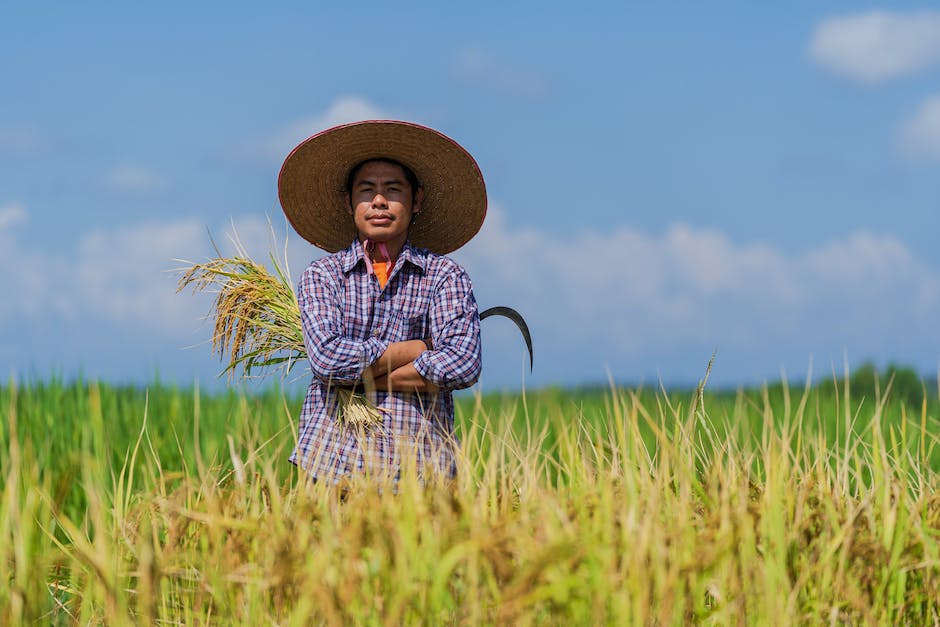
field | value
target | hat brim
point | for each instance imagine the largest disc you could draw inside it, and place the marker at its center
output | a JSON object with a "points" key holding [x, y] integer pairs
{"points": [[312, 183]]}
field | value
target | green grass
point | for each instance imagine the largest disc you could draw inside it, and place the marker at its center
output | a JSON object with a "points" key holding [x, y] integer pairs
{"points": [[781, 505]]}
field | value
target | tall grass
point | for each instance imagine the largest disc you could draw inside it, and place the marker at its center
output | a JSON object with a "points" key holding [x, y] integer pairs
{"points": [[629, 507]]}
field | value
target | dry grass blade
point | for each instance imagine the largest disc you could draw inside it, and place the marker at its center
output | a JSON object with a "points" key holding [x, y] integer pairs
{"points": [[255, 313]]}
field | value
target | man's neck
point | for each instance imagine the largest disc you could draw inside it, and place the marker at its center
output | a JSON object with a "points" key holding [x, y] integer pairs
{"points": [[377, 251]]}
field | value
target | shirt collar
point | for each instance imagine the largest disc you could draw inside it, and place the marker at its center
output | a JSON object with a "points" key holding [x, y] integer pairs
{"points": [[354, 254]]}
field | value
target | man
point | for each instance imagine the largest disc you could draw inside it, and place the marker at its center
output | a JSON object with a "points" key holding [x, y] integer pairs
{"points": [[386, 312]]}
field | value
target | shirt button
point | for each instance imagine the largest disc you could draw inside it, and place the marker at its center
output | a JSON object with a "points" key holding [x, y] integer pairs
{"points": [[376, 333]]}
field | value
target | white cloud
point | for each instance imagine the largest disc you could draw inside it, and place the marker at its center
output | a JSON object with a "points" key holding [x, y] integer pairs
{"points": [[920, 136], [128, 178], [341, 111], [120, 274], [19, 141], [478, 67], [23, 271], [11, 215], [877, 46], [591, 298], [126, 275], [129, 276], [627, 290], [861, 258]]}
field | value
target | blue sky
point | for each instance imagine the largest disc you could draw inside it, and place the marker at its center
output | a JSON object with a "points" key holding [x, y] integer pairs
{"points": [[664, 180]]}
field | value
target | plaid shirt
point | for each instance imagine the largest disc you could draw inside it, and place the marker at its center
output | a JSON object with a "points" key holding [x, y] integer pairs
{"points": [[348, 322]]}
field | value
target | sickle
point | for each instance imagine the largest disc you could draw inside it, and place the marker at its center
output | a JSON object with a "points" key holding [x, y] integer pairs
{"points": [[516, 317]]}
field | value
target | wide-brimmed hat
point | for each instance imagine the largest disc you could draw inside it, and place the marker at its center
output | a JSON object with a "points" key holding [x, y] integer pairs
{"points": [[312, 183]]}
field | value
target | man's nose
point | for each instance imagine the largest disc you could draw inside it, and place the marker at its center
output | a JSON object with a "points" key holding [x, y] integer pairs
{"points": [[379, 201]]}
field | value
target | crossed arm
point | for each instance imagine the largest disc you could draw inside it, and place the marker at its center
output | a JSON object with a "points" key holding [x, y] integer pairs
{"points": [[395, 369], [404, 366]]}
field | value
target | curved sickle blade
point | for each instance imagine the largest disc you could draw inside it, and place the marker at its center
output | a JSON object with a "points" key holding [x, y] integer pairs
{"points": [[516, 317]]}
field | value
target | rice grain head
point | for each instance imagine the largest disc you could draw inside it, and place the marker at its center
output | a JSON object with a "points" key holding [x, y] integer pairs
{"points": [[257, 326], [256, 320]]}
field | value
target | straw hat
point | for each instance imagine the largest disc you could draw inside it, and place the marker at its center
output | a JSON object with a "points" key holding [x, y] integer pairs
{"points": [[312, 183]]}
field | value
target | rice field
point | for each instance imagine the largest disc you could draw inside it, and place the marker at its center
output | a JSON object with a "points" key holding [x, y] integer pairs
{"points": [[815, 504]]}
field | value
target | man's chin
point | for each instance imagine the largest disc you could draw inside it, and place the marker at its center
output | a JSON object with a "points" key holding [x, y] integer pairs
{"points": [[380, 236]]}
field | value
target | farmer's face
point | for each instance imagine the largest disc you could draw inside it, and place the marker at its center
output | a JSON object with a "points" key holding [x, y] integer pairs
{"points": [[382, 203]]}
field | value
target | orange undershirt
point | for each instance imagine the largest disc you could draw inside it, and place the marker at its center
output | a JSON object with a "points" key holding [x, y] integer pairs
{"points": [[381, 272]]}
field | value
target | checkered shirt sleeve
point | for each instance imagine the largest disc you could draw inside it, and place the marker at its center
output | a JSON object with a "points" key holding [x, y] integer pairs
{"points": [[455, 360], [334, 356]]}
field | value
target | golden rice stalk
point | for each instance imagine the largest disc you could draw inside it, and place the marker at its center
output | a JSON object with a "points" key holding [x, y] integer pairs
{"points": [[257, 323], [355, 410], [255, 313]]}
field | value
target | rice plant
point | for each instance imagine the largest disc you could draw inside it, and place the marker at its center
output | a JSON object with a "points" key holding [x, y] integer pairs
{"points": [[256, 320], [630, 507], [257, 325]]}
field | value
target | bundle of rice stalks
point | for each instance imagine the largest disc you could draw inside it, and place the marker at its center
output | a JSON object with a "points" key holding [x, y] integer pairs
{"points": [[356, 411], [255, 313], [256, 322]]}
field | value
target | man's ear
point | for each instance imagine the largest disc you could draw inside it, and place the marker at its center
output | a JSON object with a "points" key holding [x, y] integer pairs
{"points": [[419, 198], [349, 207]]}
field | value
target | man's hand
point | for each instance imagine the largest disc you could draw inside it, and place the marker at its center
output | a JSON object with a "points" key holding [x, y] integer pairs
{"points": [[395, 356], [405, 379]]}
